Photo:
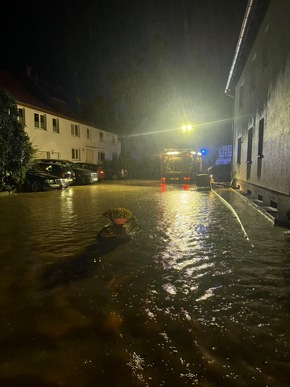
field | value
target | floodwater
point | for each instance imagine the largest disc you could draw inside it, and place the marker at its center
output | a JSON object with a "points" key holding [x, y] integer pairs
{"points": [[200, 297]]}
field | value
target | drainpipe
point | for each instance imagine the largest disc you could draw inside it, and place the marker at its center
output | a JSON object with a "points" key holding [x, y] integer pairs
{"points": [[238, 47]]}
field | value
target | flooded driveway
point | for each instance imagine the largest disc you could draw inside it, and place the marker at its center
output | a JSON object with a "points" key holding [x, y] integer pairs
{"points": [[199, 297]]}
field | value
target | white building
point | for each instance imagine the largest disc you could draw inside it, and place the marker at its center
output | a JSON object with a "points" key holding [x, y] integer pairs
{"points": [[54, 130]]}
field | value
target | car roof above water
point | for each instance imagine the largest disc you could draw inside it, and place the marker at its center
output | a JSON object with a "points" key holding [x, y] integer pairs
{"points": [[56, 161], [55, 165]]}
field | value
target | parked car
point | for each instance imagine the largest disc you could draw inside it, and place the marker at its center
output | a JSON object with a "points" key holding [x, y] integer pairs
{"points": [[220, 173], [93, 167], [113, 173], [62, 171], [82, 176], [56, 161], [38, 180]]}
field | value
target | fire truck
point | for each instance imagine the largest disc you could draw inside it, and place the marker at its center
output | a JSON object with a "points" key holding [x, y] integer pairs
{"points": [[180, 165]]}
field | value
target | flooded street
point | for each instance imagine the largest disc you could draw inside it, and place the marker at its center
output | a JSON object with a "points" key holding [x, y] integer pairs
{"points": [[200, 297]]}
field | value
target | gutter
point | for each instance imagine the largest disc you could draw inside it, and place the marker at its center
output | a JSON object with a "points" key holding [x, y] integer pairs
{"points": [[238, 47]]}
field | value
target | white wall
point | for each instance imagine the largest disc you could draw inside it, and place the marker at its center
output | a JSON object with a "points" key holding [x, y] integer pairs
{"points": [[59, 145]]}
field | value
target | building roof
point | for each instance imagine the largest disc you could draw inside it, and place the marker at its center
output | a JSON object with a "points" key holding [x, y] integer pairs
{"points": [[34, 93], [254, 15], [19, 91]]}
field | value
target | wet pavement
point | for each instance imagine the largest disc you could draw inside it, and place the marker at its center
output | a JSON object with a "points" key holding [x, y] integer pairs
{"points": [[199, 297]]}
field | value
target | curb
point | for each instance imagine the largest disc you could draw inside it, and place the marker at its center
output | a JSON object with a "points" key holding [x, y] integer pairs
{"points": [[267, 211]]}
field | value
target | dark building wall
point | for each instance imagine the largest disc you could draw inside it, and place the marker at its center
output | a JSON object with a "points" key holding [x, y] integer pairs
{"points": [[262, 112]]}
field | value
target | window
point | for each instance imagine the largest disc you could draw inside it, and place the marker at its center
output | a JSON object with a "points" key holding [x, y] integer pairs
{"points": [[89, 134], [75, 154], [40, 121], [260, 148], [239, 150], [36, 120], [75, 130], [101, 157], [55, 125], [114, 140], [261, 138], [249, 153], [101, 136], [21, 115], [250, 145]]}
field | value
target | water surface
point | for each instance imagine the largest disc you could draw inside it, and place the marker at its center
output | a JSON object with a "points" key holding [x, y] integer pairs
{"points": [[196, 298]]}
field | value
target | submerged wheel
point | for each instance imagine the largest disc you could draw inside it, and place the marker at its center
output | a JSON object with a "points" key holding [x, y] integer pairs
{"points": [[36, 186]]}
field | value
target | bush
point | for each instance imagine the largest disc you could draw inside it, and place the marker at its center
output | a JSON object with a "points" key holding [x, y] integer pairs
{"points": [[16, 150]]}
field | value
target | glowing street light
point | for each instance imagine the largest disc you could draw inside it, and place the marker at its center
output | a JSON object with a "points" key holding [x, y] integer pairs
{"points": [[186, 128]]}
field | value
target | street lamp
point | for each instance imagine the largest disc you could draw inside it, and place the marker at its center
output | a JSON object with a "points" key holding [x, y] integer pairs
{"points": [[186, 128]]}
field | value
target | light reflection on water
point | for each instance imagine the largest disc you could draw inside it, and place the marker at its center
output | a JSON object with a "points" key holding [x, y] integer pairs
{"points": [[189, 301]]}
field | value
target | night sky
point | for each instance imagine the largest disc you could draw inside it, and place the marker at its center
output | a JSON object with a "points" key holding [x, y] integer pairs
{"points": [[134, 67]]}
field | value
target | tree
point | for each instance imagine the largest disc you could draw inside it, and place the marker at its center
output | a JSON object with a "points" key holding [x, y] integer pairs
{"points": [[16, 150]]}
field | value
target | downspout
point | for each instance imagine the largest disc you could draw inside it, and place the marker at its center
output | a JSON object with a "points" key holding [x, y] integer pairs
{"points": [[238, 47], [234, 63]]}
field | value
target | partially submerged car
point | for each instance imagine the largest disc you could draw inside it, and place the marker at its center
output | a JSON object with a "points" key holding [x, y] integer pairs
{"points": [[98, 168], [61, 171], [113, 173], [81, 176], [84, 176], [38, 180]]}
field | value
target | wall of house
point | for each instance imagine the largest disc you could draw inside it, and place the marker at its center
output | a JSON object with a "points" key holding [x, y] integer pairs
{"points": [[89, 143], [262, 95]]}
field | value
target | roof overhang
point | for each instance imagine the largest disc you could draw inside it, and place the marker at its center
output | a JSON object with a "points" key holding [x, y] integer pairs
{"points": [[253, 18]]}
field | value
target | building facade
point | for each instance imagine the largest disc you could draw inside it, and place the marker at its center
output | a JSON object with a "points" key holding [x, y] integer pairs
{"points": [[259, 82], [54, 130]]}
